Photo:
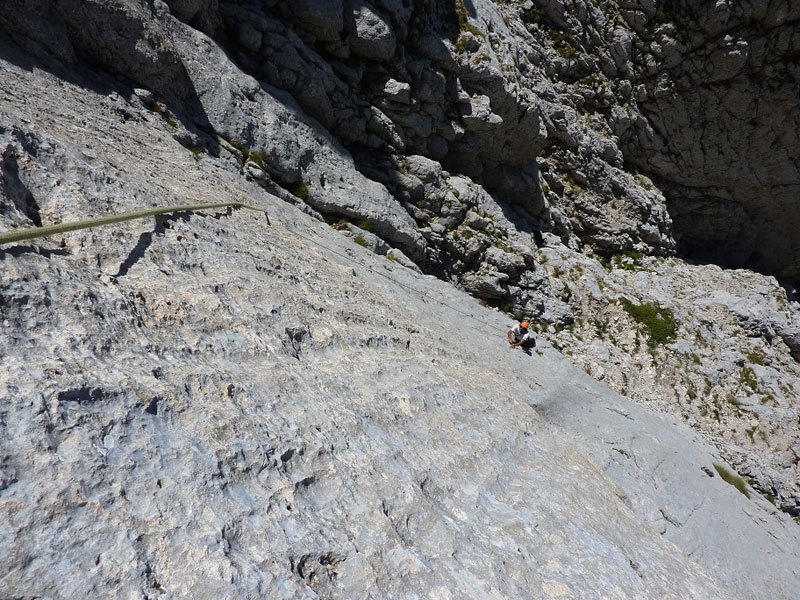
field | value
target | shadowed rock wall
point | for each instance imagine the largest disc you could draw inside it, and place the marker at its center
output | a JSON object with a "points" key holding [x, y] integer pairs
{"points": [[570, 94], [719, 90]]}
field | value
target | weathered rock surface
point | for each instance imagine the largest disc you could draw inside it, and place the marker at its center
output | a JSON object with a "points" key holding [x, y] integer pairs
{"points": [[700, 100], [456, 135], [218, 405], [278, 138], [730, 371], [722, 129]]}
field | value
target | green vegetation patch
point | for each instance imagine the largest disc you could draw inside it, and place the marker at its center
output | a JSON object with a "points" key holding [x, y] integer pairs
{"points": [[733, 479], [757, 357], [465, 26], [748, 377], [299, 189], [258, 158], [193, 148], [658, 321], [629, 260], [564, 44], [733, 400], [156, 107], [643, 181]]}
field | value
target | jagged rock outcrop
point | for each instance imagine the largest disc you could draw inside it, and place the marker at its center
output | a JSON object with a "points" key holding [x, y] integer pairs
{"points": [[544, 156], [225, 404], [718, 90], [728, 368], [698, 100], [278, 141]]}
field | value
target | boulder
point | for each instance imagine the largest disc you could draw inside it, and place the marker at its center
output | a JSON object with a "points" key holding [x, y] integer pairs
{"points": [[371, 35]]}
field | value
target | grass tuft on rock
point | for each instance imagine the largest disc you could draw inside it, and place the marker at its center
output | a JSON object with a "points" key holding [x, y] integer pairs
{"points": [[748, 378], [659, 322], [299, 189], [733, 479]]}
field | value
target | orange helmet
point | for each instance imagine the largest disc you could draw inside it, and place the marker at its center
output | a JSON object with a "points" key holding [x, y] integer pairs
{"points": [[523, 324]]}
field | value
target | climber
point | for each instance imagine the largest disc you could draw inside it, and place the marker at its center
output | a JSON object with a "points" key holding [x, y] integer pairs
{"points": [[519, 336]]}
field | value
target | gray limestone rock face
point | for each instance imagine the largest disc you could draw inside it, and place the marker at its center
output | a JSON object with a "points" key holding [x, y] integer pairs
{"points": [[124, 38], [725, 121], [479, 92], [700, 100], [730, 371], [294, 150], [221, 404]]}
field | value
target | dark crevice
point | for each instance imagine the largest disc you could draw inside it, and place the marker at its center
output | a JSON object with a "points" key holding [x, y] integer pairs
{"points": [[15, 188]]}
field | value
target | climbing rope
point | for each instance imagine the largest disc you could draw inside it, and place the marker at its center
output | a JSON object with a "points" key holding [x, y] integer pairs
{"points": [[20, 235]]}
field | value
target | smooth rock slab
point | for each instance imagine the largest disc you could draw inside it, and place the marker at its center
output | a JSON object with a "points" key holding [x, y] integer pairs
{"points": [[216, 405]]}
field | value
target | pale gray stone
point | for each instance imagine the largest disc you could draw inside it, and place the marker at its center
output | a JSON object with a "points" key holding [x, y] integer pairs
{"points": [[373, 37], [397, 91], [478, 116], [201, 408], [242, 111]]}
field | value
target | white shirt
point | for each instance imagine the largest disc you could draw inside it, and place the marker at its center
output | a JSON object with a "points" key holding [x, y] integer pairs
{"points": [[518, 334]]}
